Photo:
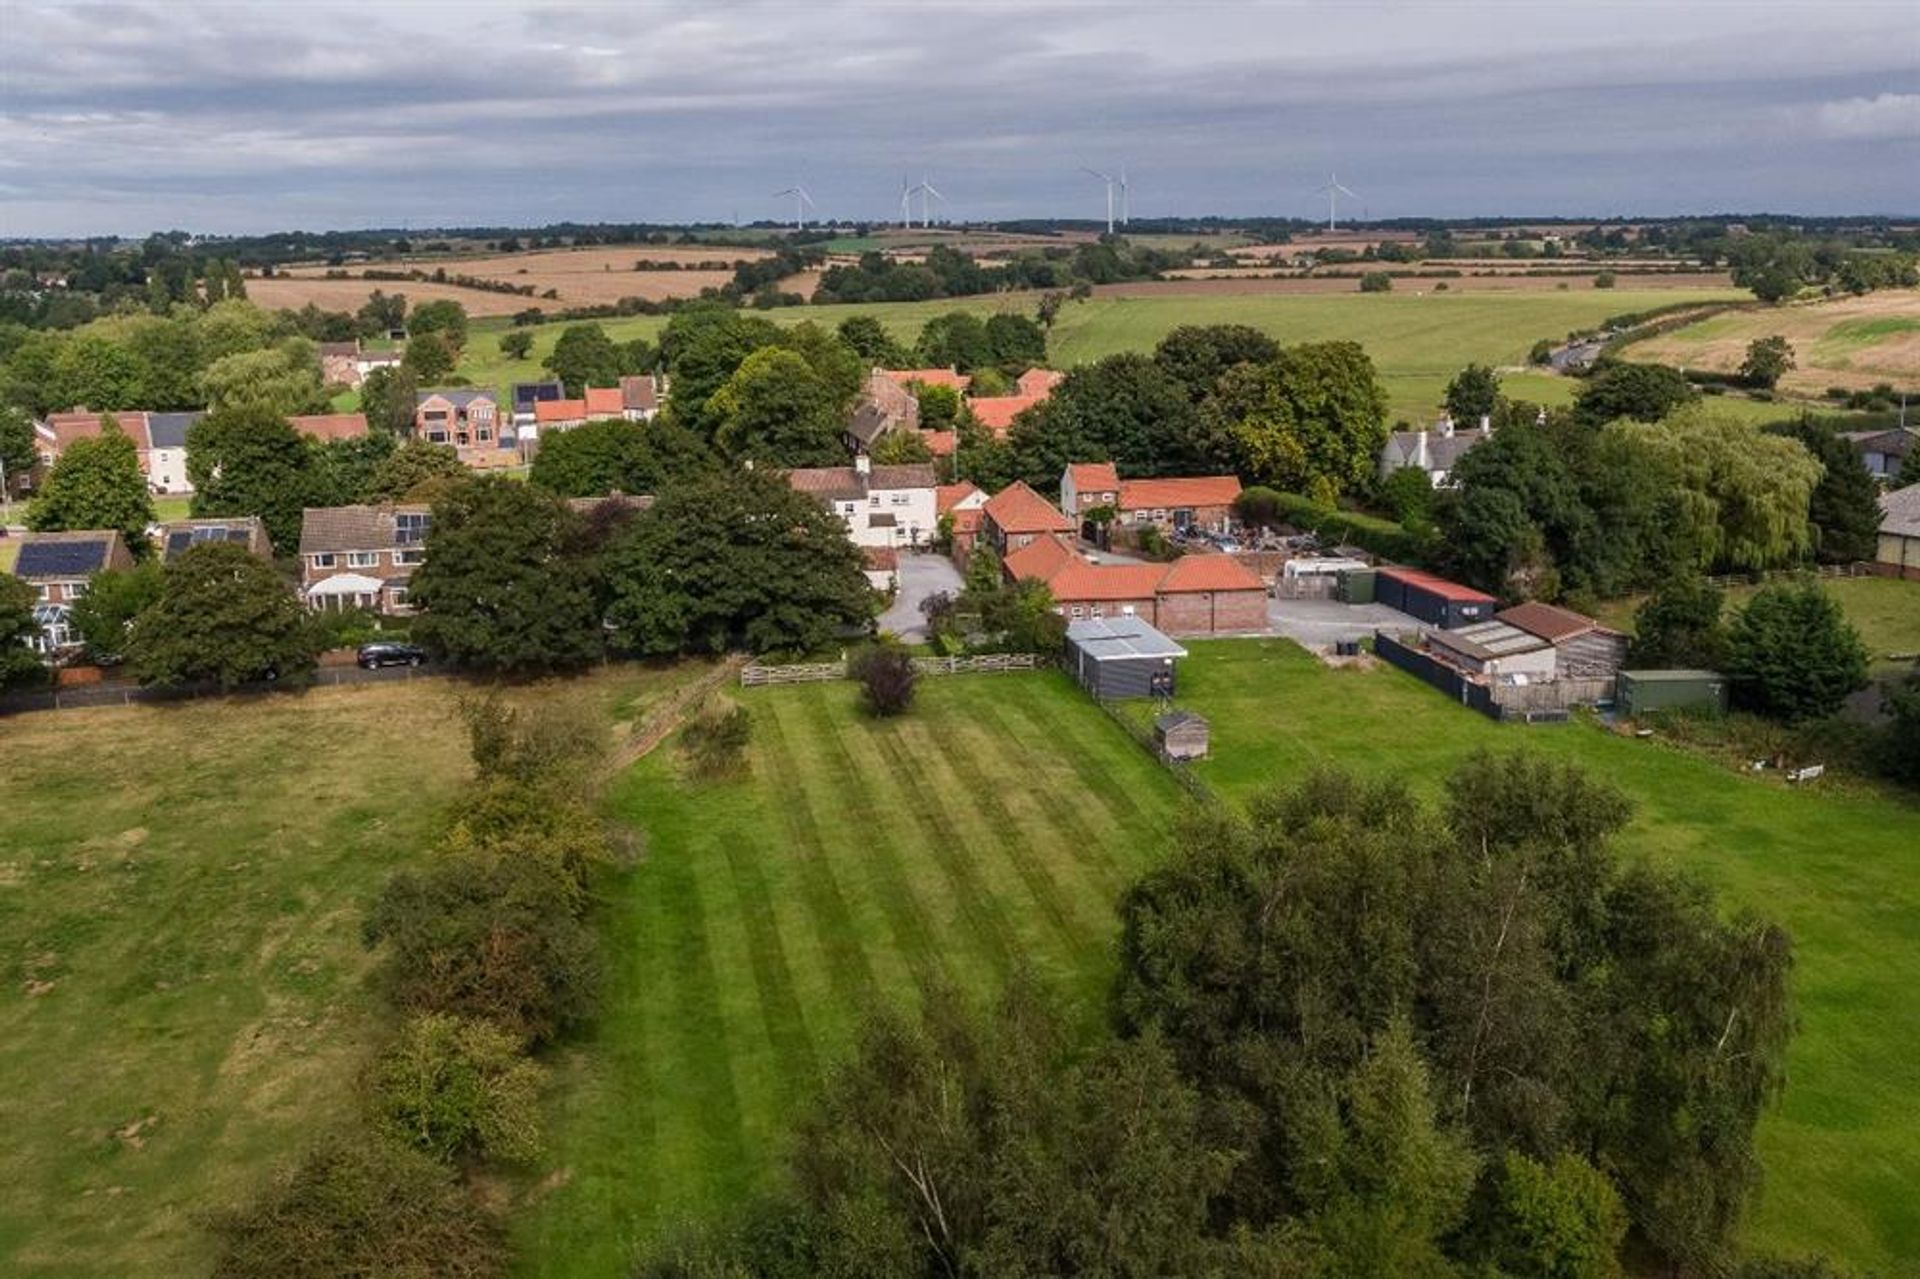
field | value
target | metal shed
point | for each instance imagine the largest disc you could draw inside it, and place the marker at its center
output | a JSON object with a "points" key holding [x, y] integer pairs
{"points": [[1181, 735], [1434, 600], [1643, 691], [1115, 657]]}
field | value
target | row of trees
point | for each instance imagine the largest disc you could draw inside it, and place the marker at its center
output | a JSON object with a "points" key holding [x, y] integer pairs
{"points": [[1352, 1033], [950, 273]]}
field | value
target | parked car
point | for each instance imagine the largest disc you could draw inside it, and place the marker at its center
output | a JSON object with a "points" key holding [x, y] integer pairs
{"points": [[374, 655]]}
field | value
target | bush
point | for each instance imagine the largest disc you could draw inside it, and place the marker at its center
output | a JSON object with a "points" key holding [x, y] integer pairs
{"points": [[715, 744], [456, 1086], [1793, 654], [359, 1207], [1376, 282], [1541, 352], [1604, 280], [1383, 537], [886, 677]]}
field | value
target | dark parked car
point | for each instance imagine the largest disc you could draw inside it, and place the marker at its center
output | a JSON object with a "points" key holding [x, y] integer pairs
{"points": [[372, 655]]}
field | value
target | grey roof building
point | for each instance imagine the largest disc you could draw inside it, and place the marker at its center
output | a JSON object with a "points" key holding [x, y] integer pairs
{"points": [[1114, 657], [242, 530], [1436, 452], [169, 430]]}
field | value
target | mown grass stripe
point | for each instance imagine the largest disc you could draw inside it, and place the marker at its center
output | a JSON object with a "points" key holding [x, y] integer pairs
{"points": [[835, 930], [1089, 755]]}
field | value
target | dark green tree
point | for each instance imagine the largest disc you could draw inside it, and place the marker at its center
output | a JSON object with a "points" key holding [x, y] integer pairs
{"points": [[20, 666], [1517, 512], [702, 347], [1900, 741], [1199, 354], [618, 456], [416, 471], [283, 379], [516, 344], [956, 340], [584, 356], [430, 357], [1644, 392], [96, 483], [18, 452], [115, 597], [1845, 507], [1909, 469], [382, 314], [837, 365], [503, 587], [1680, 625], [872, 343], [1768, 360], [225, 615], [1312, 421], [1472, 394], [1775, 267], [388, 397], [1558, 1220], [1017, 342], [250, 461], [735, 559], [1125, 409], [776, 411], [442, 316], [343, 470], [1792, 653]]}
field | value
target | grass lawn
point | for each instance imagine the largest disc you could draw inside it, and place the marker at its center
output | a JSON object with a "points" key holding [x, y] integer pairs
{"points": [[1885, 610], [173, 506], [995, 823], [181, 891], [1417, 342], [1841, 870]]}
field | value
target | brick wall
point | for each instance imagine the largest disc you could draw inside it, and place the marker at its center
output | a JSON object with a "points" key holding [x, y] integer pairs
{"points": [[1211, 612]]}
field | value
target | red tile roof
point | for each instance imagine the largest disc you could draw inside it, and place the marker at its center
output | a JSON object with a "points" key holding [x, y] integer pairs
{"points": [[83, 425], [930, 377], [639, 393], [1018, 509], [996, 412], [1039, 382], [948, 496], [1040, 558], [1094, 477], [967, 521], [1438, 586], [330, 426], [602, 401], [1209, 573], [559, 410], [1083, 581], [941, 443], [1196, 490]]}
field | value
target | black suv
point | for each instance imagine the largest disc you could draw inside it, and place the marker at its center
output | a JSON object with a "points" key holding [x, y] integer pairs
{"points": [[373, 655]]}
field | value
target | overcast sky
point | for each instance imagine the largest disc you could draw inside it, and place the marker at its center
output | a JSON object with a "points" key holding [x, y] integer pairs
{"points": [[307, 113]]}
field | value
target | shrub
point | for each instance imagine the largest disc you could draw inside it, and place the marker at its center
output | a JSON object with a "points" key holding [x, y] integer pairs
{"points": [[715, 744], [1604, 280], [886, 677], [1541, 352], [457, 1086], [1376, 282], [1793, 654], [359, 1207], [1383, 537]]}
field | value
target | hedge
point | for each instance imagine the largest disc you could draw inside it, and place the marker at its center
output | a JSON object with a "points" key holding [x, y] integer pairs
{"points": [[1383, 537]]}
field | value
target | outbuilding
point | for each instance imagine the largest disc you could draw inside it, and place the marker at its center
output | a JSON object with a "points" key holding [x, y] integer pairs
{"points": [[1181, 735], [1116, 657], [1433, 600], [1642, 692]]}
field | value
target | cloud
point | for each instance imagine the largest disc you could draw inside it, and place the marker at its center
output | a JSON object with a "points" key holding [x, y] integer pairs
{"points": [[1885, 115]]}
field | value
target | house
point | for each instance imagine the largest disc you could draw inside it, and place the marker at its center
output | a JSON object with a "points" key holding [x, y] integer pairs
{"points": [[1017, 515], [244, 530], [957, 381], [960, 504], [1087, 486], [327, 427], [58, 566], [559, 415], [1433, 600], [526, 395], [166, 460], [604, 402], [639, 398], [1121, 657], [466, 417], [883, 506], [1038, 382], [884, 406], [1434, 452], [1189, 502], [1585, 649], [1897, 552], [361, 556], [1192, 595], [996, 412], [1883, 452], [345, 364]]}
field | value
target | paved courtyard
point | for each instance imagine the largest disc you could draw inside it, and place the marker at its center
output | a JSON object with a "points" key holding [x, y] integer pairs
{"points": [[1328, 621], [921, 575]]}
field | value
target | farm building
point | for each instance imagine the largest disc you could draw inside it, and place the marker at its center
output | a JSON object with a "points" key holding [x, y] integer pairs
{"points": [[1898, 548], [1181, 735], [1115, 657], [1641, 692], [1494, 648], [1433, 600], [1586, 649]]}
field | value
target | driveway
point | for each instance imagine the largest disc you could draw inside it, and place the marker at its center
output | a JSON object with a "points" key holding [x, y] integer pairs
{"points": [[921, 575], [1318, 622]]}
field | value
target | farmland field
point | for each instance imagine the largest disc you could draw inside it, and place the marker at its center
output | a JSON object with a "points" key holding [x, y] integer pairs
{"points": [[1417, 342], [1885, 610], [995, 823], [181, 891], [294, 292], [1841, 871], [1850, 342]]}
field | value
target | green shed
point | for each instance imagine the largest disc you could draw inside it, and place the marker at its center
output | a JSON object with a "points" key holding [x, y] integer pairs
{"points": [[1641, 692], [1356, 586]]}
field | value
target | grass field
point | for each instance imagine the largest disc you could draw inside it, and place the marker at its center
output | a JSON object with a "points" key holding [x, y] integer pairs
{"points": [[1850, 342], [1417, 342], [181, 891], [1840, 871], [997, 822], [1885, 610]]}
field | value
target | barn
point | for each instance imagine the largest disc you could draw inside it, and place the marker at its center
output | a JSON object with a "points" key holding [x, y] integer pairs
{"points": [[1115, 657], [1433, 600]]}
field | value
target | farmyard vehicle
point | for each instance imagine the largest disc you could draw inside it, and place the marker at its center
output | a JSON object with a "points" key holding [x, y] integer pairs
{"points": [[377, 655]]}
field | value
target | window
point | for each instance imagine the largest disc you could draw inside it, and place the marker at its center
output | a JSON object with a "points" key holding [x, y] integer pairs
{"points": [[397, 596], [362, 559], [76, 589], [409, 556], [410, 528], [1096, 611], [847, 508], [874, 500], [902, 499], [1077, 611], [485, 435], [325, 559]]}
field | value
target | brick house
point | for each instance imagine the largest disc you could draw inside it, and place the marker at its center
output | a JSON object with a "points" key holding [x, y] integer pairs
{"points": [[58, 566], [466, 417], [326, 427], [961, 505], [165, 466], [1193, 595], [604, 402], [884, 406], [345, 364], [244, 530], [883, 506], [1189, 502], [1085, 486], [639, 398], [1017, 515], [361, 556]]}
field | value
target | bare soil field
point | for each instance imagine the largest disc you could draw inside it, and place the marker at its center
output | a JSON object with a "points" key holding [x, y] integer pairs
{"points": [[1202, 282], [1850, 342], [295, 291]]}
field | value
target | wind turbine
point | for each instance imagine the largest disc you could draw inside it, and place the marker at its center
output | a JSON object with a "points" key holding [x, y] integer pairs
{"points": [[801, 203], [928, 193], [1334, 191], [1107, 178], [1126, 200], [906, 203]]}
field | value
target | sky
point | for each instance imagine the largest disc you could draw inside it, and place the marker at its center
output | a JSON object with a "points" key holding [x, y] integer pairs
{"points": [[250, 117]]}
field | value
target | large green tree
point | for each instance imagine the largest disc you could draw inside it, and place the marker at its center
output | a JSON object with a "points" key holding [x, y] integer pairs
{"points": [[282, 379], [96, 483], [1472, 394], [504, 587], [417, 471], [1643, 392], [776, 411], [250, 461], [1768, 360], [1680, 625], [1312, 421], [1744, 492], [618, 456], [1199, 354], [872, 343], [702, 347], [388, 397], [225, 615], [584, 356], [956, 340], [735, 559], [104, 616], [20, 666], [443, 316], [1126, 409], [18, 452], [1844, 507], [1792, 653]]}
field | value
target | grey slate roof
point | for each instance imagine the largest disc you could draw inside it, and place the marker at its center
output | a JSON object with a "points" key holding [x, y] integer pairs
{"points": [[357, 528], [1443, 451], [1110, 638], [169, 430], [64, 555], [242, 530], [458, 396]]}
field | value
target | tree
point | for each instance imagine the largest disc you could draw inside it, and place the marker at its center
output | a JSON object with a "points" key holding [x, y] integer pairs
{"points": [[455, 1086], [96, 483], [1313, 421], [250, 461], [18, 453], [886, 677], [19, 665], [1024, 617], [382, 314], [115, 597], [1909, 469], [1199, 354], [1376, 282], [1561, 1220], [1017, 343], [1408, 494], [1792, 653], [342, 471], [735, 559], [282, 379], [872, 343], [1899, 746], [775, 410], [1775, 267], [617, 456], [956, 340], [1472, 394], [702, 347], [430, 357], [940, 406], [899, 447], [1644, 392], [389, 397], [1679, 626], [416, 471], [442, 316], [584, 356], [837, 365], [224, 615], [516, 344], [501, 588], [1125, 409], [1768, 360], [1844, 507]]}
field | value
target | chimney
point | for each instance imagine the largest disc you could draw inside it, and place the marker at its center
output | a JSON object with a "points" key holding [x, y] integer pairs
{"points": [[1446, 426], [1420, 451], [1486, 423], [862, 465]]}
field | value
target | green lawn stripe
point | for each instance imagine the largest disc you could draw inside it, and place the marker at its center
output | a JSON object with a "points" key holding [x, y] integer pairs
{"points": [[1088, 757]]}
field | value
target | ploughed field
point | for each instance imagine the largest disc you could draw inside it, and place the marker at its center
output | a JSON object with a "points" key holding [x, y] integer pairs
{"points": [[1849, 342]]}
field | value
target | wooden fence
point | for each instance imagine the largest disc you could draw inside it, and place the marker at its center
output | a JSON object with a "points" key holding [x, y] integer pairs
{"points": [[758, 675], [1859, 568], [1144, 737]]}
